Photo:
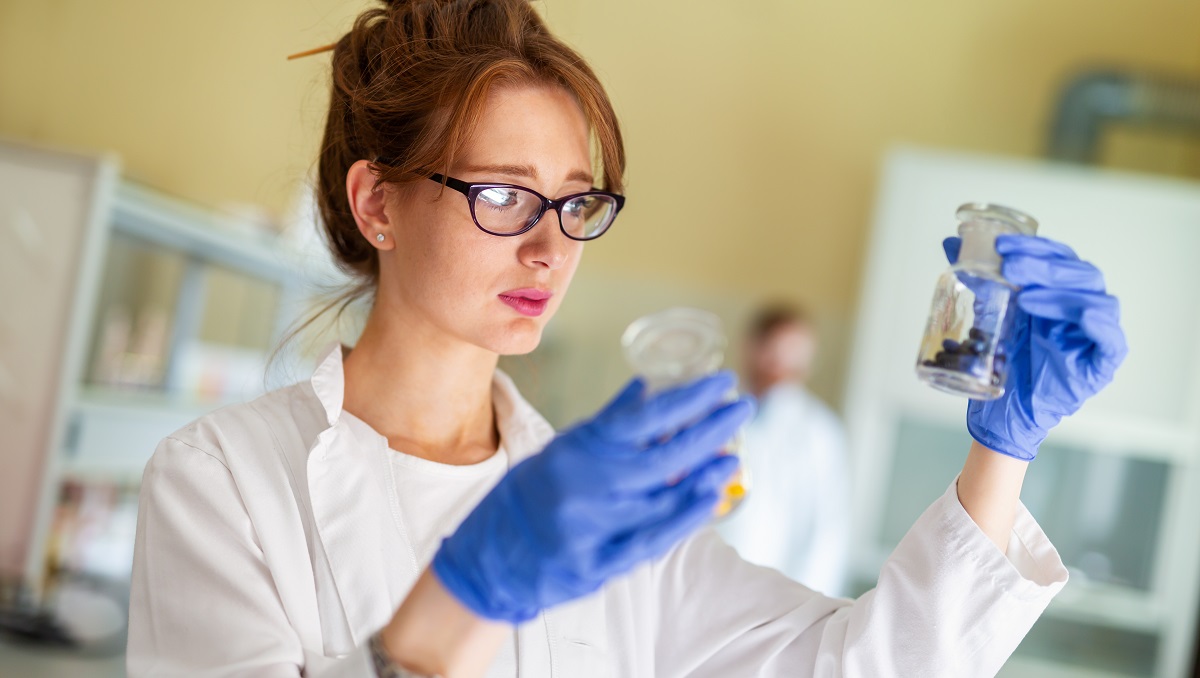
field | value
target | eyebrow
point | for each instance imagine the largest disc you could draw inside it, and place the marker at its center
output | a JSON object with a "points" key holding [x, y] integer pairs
{"points": [[525, 171]]}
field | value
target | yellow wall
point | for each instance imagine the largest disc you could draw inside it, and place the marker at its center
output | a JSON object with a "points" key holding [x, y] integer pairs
{"points": [[754, 129]]}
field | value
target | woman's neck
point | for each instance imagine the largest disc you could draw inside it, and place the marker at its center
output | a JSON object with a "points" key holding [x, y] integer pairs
{"points": [[429, 394]]}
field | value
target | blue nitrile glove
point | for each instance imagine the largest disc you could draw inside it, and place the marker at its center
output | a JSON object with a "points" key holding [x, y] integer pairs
{"points": [[1067, 343], [601, 498]]}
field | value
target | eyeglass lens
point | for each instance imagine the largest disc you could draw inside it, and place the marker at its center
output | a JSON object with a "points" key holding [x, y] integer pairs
{"points": [[510, 209]]}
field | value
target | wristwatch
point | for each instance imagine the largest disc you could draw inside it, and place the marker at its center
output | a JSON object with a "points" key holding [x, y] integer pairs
{"points": [[385, 667]]}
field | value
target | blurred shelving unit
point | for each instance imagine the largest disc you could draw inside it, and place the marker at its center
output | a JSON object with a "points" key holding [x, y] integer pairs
{"points": [[112, 428], [1117, 486], [141, 312]]}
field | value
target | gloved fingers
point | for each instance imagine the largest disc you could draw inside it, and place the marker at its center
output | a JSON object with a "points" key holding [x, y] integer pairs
{"points": [[659, 502], [1033, 246], [689, 448], [675, 408], [1066, 305], [712, 475], [649, 418], [1108, 339], [951, 246], [1097, 315], [695, 499], [695, 512], [627, 398], [605, 428], [1051, 272]]}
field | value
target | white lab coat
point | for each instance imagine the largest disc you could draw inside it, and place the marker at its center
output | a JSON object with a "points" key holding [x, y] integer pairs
{"points": [[796, 517], [266, 546]]}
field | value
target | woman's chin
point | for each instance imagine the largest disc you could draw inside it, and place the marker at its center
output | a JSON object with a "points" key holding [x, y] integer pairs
{"points": [[517, 339]]}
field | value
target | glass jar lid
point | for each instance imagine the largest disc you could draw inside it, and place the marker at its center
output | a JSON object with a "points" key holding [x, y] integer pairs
{"points": [[675, 345]]}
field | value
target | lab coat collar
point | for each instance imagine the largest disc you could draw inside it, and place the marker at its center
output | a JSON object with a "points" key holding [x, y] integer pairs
{"points": [[328, 382], [522, 428]]}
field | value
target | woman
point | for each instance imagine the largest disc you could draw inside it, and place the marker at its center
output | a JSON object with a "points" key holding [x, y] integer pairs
{"points": [[302, 533]]}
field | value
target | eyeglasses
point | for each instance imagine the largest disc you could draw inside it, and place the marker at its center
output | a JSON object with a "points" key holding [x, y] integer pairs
{"points": [[509, 209]]}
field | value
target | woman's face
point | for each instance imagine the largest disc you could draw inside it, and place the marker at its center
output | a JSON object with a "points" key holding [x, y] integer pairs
{"points": [[445, 273]]}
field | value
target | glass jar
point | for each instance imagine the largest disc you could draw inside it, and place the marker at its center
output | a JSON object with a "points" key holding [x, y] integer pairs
{"points": [[675, 346], [967, 339]]}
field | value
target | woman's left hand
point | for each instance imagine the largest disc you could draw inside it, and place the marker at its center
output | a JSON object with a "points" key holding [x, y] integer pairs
{"points": [[1067, 343]]}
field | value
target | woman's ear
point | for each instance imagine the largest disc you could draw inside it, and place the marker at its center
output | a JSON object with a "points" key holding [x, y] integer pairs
{"points": [[369, 203]]}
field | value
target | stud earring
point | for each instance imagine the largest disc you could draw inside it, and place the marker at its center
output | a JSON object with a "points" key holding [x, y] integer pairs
{"points": [[380, 237]]}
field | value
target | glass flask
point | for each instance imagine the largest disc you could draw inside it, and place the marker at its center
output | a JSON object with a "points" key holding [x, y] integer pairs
{"points": [[675, 346], [967, 339]]}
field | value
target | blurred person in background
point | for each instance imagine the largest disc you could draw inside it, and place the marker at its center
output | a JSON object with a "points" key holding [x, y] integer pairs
{"points": [[797, 516], [405, 512]]}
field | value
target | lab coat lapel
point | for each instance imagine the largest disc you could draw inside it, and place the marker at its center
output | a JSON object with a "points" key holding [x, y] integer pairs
{"points": [[524, 432], [577, 632], [351, 511]]}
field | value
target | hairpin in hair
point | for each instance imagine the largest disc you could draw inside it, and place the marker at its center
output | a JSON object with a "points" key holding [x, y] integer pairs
{"points": [[315, 50]]}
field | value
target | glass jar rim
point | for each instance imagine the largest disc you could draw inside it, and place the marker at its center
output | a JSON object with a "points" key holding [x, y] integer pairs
{"points": [[678, 342], [974, 211]]}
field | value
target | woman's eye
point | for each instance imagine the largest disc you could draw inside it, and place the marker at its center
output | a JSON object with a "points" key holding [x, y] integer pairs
{"points": [[499, 197], [578, 206]]}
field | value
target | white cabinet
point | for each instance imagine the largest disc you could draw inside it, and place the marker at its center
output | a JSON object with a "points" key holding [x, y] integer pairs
{"points": [[1117, 486]]}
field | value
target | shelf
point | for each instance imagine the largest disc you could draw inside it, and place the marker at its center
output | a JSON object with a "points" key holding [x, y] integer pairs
{"points": [[143, 399], [113, 433], [147, 215]]}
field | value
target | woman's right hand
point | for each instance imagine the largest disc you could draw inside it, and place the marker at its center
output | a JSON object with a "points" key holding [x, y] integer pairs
{"points": [[602, 497]]}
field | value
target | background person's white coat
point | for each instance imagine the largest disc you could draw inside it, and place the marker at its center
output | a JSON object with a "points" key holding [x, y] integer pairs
{"points": [[796, 518], [267, 546]]}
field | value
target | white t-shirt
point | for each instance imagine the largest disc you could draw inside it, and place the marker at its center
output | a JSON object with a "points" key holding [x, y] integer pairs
{"points": [[432, 500]]}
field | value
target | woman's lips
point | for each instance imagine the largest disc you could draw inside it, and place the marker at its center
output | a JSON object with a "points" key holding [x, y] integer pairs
{"points": [[530, 302]]}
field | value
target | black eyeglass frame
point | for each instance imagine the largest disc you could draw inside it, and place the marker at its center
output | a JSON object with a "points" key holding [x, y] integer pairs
{"points": [[472, 190]]}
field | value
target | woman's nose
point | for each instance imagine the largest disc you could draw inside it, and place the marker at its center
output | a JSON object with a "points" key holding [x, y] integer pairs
{"points": [[545, 245]]}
